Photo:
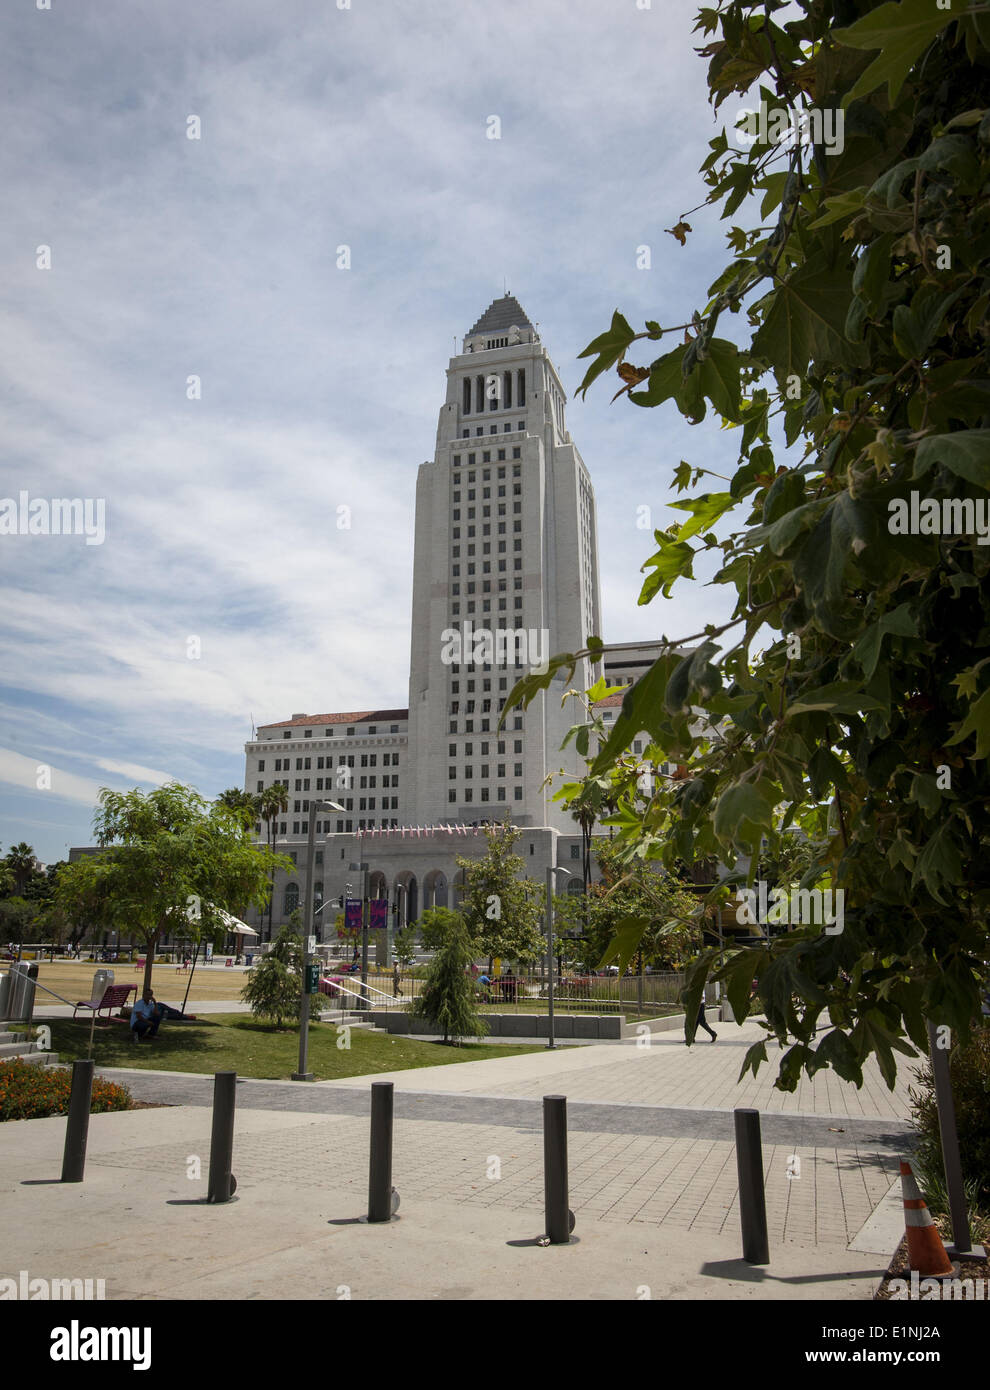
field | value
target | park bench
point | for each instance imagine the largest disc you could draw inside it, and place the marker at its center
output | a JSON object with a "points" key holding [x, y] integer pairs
{"points": [[114, 997]]}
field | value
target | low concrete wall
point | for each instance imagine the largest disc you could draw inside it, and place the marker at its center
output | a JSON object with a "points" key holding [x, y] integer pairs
{"points": [[671, 1024], [509, 1025]]}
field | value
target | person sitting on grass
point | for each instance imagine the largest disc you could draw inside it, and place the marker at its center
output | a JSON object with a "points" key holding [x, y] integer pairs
{"points": [[146, 1015]]}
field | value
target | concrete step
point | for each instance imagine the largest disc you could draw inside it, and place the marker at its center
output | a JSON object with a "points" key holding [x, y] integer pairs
{"points": [[15, 1049], [40, 1059], [7, 1037]]}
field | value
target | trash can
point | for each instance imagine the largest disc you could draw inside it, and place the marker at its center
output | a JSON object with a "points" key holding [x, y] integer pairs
{"points": [[102, 979]]}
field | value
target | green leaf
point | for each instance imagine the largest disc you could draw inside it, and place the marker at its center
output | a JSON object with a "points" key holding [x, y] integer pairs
{"points": [[939, 863], [666, 379], [900, 622], [977, 722], [966, 453], [902, 33], [672, 560], [841, 697], [705, 511], [609, 347], [744, 813], [807, 319], [719, 377], [629, 932], [642, 708], [840, 206]]}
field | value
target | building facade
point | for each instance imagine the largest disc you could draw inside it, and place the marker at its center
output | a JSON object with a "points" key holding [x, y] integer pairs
{"points": [[505, 574]]}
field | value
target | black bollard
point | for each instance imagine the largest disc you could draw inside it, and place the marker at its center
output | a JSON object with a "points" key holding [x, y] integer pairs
{"points": [[752, 1197], [222, 1184], [77, 1124], [380, 1174], [558, 1216]]}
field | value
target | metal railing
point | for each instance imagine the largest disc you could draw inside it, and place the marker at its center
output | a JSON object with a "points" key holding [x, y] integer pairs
{"points": [[27, 1020], [574, 992]]}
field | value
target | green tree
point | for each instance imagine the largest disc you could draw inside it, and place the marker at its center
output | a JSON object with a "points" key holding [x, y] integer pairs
{"points": [[435, 925], [857, 396], [170, 862], [272, 803], [272, 989], [404, 946], [447, 1000], [287, 946], [502, 910], [18, 920], [242, 801], [23, 867]]}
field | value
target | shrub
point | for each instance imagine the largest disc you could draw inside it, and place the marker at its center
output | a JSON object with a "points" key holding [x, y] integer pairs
{"points": [[31, 1092], [447, 1000], [272, 990], [969, 1068]]}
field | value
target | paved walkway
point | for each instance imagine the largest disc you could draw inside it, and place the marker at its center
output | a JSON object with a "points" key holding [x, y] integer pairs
{"points": [[651, 1164]]}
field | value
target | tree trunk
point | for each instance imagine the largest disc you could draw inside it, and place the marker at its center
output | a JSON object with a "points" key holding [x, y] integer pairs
{"points": [[149, 959]]}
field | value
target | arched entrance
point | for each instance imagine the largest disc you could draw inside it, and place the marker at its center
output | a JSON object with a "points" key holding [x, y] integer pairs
{"points": [[435, 889]]}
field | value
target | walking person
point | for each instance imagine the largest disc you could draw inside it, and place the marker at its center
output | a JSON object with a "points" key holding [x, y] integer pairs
{"points": [[702, 1022], [396, 981]]}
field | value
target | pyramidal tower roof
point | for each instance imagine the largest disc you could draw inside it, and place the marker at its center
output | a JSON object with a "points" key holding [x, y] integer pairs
{"points": [[501, 314]]}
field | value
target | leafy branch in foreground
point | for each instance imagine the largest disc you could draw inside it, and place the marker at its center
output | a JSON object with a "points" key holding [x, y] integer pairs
{"points": [[857, 512]]}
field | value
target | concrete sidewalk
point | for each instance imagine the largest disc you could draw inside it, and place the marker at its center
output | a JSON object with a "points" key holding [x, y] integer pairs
{"points": [[651, 1165], [294, 1229]]}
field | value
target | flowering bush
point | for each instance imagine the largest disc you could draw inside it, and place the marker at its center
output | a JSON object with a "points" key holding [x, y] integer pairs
{"points": [[31, 1092]]}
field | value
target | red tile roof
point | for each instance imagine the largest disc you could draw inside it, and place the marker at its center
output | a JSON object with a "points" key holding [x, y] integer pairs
{"points": [[355, 717]]}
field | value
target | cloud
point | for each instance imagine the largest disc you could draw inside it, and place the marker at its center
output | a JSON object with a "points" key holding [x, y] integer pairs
{"points": [[226, 587], [19, 771]]}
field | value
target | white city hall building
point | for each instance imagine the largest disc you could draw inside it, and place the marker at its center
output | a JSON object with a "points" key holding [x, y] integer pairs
{"points": [[505, 575]]}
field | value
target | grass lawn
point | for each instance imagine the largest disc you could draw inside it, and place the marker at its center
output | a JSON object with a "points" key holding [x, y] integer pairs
{"points": [[236, 1042], [73, 980]]}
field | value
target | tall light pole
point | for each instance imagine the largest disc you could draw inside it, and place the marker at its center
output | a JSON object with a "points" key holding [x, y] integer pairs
{"points": [[302, 1074], [550, 878]]}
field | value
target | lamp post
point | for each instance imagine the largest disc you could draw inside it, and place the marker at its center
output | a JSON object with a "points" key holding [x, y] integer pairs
{"points": [[550, 878], [362, 869], [302, 1074]]}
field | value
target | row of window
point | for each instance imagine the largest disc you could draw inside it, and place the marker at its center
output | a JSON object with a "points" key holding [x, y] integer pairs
{"points": [[492, 429], [493, 392], [486, 727], [304, 764], [342, 827], [330, 731], [486, 457], [487, 549], [468, 795], [469, 748], [483, 771]]}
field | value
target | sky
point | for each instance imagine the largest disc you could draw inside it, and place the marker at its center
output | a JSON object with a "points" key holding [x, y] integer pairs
{"points": [[183, 346]]}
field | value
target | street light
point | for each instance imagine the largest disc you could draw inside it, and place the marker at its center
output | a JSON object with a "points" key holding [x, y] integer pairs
{"points": [[550, 876], [362, 869], [302, 1074]]}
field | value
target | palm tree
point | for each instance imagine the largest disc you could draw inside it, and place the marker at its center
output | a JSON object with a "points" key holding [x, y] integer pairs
{"points": [[242, 801], [272, 803], [22, 864]]}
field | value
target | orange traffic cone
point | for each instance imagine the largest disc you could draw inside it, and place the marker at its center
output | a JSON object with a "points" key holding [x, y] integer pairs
{"points": [[926, 1253]]}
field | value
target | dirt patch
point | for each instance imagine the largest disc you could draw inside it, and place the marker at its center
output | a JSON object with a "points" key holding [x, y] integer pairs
{"points": [[899, 1269], [151, 1105]]}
